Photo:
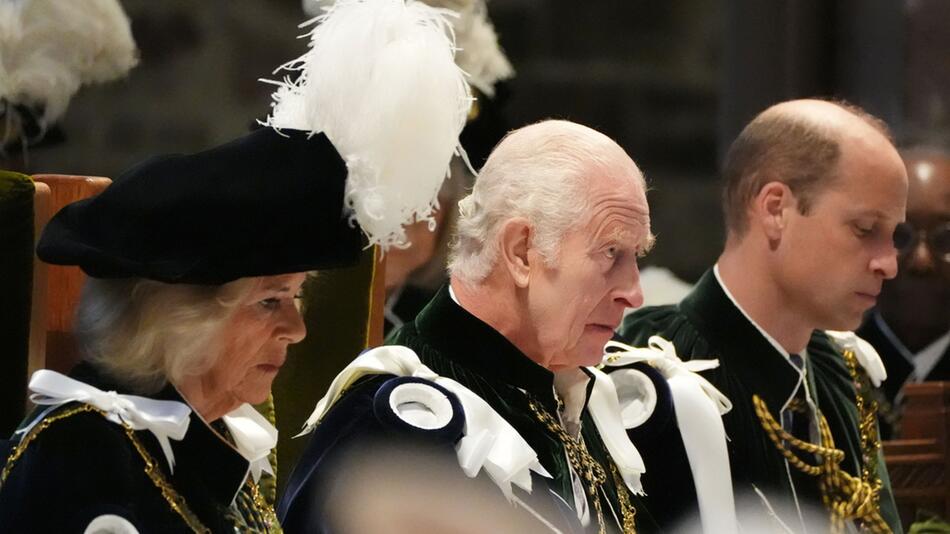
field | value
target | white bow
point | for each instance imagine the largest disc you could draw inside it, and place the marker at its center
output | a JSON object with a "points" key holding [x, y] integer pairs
{"points": [[165, 419], [604, 408], [696, 403], [869, 359], [254, 437], [661, 355], [488, 440]]}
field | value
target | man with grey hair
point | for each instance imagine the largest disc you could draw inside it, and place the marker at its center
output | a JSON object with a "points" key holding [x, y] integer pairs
{"points": [[543, 266], [813, 193]]}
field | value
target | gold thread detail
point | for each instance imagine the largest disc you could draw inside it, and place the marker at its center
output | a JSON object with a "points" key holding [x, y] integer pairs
{"points": [[590, 471], [176, 501], [844, 495], [267, 515]]}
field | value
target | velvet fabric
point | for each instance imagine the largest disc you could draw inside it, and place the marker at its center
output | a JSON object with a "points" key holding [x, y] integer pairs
{"points": [[457, 345], [267, 203], [706, 325], [16, 283], [89, 466]]}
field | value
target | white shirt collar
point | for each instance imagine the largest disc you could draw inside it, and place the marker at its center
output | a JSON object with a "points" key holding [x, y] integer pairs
{"points": [[775, 344], [923, 361], [761, 330]]}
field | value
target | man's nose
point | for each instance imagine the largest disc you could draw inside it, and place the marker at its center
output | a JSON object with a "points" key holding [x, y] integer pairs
{"points": [[630, 294], [885, 263]]}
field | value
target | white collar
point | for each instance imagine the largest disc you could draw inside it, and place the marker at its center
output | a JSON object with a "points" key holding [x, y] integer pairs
{"points": [[775, 344], [254, 437], [924, 360], [761, 330]]}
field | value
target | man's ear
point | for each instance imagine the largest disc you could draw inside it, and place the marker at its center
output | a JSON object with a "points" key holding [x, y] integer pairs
{"points": [[770, 208], [514, 242]]}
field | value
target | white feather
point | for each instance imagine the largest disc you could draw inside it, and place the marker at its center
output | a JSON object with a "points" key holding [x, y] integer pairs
{"points": [[50, 48], [380, 81], [479, 53]]}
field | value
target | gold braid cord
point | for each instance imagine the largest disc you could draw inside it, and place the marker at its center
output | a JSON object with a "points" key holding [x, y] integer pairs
{"points": [[172, 497], [591, 472], [844, 495]]}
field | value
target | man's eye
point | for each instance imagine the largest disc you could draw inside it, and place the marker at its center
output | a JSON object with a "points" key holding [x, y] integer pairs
{"points": [[270, 304], [862, 230], [611, 252]]}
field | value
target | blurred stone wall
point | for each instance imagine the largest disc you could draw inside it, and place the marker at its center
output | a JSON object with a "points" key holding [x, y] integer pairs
{"points": [[195, 85], [644, 72], [672, 82]]}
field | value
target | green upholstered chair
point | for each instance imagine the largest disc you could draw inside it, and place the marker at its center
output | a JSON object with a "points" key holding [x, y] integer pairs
{"points": [[23, 209], [36, 317], [343, 311]]}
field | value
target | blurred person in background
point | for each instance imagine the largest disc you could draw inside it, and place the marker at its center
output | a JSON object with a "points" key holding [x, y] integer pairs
{"points": [[415, 273], [910, 327]]}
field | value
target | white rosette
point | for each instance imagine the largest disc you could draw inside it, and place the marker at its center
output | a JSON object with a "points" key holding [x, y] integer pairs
{"points": [[488, 442], [699, 407]]}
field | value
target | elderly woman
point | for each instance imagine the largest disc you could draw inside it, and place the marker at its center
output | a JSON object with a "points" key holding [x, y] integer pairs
{"points": [[195, 264]]}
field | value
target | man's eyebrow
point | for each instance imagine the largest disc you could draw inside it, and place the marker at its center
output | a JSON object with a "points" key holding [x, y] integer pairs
{"points": [[648, 242], [279, 286]]}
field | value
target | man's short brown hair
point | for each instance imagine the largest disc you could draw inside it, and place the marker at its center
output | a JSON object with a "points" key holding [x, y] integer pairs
{"points": [[787, 148]]}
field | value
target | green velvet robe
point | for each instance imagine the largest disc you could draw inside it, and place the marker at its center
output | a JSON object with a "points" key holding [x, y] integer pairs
{"points": [[457, 345], [707, 325]]}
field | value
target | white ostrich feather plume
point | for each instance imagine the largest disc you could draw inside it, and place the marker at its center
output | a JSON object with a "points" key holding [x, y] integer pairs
{"points": [[50, 48], [381, 82], [479, 53]]}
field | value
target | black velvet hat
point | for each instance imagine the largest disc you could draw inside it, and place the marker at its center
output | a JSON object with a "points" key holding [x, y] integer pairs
{"points": [[267, 203]]}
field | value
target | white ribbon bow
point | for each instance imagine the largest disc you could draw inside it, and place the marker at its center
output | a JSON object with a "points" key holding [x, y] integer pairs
{"points": [[696, 403], [488, 441], [869, 359], [254, 438], [165, 419], [604, 408], [661, 355]]}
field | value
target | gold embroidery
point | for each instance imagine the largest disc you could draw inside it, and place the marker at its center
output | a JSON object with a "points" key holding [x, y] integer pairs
{"points": [[265, 511], [845, 496], [589, 470], [176, 501]]}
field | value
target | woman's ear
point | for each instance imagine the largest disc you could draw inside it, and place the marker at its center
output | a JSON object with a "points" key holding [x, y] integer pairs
{"points": [[514, 242]]}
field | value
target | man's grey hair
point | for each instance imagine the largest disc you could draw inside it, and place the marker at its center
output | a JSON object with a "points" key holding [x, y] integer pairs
{"points": [[539, 172], [144, 334]]}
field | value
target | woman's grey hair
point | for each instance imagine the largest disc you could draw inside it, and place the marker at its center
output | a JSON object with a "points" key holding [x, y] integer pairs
{"points": [[540, 172], [144, 334]]}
